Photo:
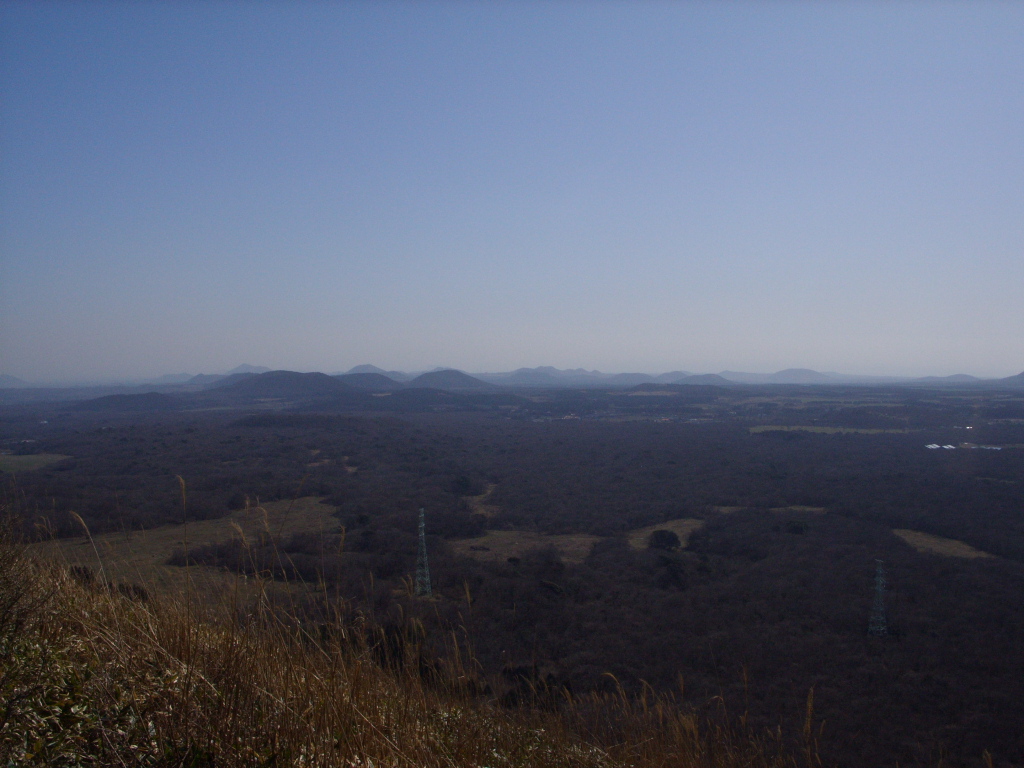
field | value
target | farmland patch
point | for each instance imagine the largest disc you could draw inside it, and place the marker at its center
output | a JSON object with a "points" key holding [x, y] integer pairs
{"points": [[938, 545]]}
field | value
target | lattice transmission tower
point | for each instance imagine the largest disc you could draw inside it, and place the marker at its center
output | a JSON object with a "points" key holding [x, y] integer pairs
{"points": [[422, 567], [878, 625]]}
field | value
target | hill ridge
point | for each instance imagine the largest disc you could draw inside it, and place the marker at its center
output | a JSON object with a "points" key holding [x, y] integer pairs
{"points": [[449, 379]]}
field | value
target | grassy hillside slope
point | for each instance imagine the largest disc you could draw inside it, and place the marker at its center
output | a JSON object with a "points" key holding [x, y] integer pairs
{"points": [[95, 675]]}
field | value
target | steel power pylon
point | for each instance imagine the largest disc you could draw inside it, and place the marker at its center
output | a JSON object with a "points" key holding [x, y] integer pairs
{"points": [[422, 568], [878, 625]]}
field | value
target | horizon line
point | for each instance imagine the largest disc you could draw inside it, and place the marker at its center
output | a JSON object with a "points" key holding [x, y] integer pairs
{"points": [[142, 380]]}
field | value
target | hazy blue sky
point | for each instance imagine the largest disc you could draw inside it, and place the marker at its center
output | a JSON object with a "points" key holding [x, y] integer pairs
{"points": [[622, 186]]}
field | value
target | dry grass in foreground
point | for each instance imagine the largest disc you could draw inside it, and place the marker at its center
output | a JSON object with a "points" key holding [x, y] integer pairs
{"points": [[91, 677], [140, 557]]}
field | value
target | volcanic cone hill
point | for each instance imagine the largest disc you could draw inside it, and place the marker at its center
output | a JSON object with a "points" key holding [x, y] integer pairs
{"points": [[288, 386], [371, 382], [1013, 381], [449, 380]]}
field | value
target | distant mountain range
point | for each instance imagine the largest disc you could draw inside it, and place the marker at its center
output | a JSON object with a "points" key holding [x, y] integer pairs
{"points": [[285, 384], [956, 378], [704, 378], [246, 368], [256, 383], [445, 388], [1009, 381], [205, 378], [546, 377]]}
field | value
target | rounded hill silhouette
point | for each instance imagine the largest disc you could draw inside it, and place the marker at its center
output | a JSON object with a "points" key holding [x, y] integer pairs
{"points": [[371, 382], [289, 385], [450, 380]]}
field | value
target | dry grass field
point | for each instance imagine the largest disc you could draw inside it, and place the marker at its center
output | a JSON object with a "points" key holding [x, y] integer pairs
{"points": [[140, 557], [682, 528], [498, 546], [501, 545], [12, 463], [926, 542]]}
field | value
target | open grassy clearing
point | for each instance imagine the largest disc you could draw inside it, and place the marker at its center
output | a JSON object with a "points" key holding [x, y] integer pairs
{"points": [[681, 527], [501, 545], [827, 430], [12, 463], [498, 546], [140, 557], [479, 503], [937, 545]]}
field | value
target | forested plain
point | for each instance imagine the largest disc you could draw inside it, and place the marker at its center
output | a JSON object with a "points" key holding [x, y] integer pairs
{"points": [[796, 492]]}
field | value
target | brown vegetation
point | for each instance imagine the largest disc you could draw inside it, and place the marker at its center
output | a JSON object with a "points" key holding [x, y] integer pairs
{"points": [[28, 462], [499, 546], [760, 604], [938, 545], [141, 557], [92, 676]]}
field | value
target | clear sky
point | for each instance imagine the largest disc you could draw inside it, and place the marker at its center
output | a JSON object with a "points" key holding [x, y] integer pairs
{"points": [[484, 185]]}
